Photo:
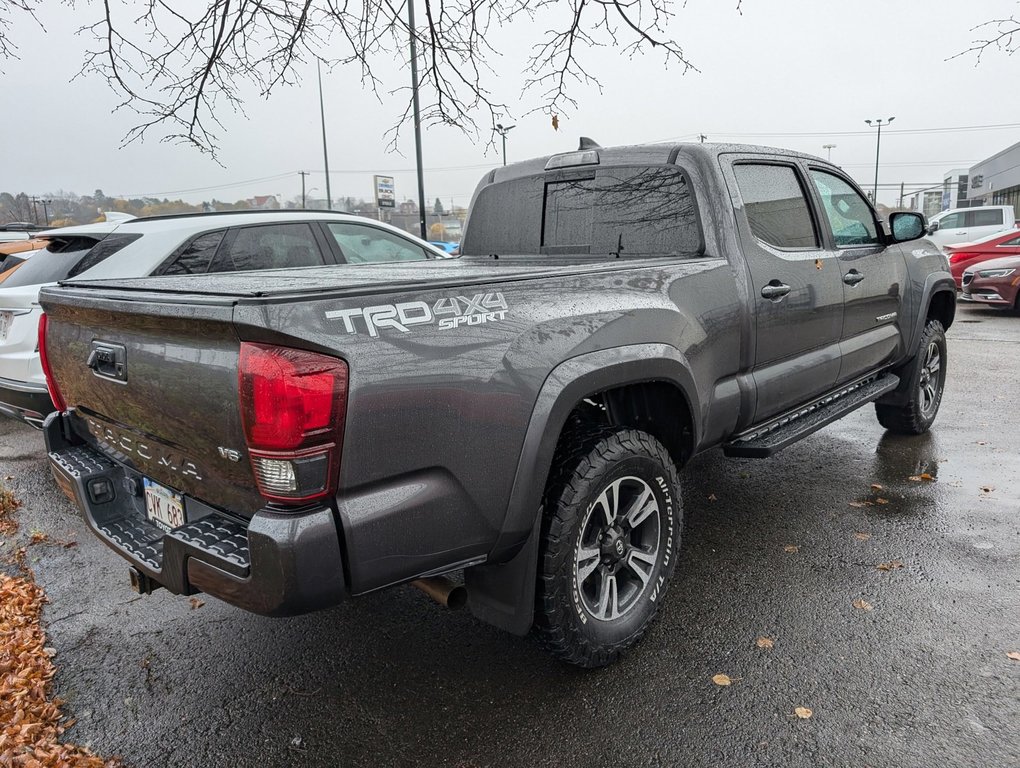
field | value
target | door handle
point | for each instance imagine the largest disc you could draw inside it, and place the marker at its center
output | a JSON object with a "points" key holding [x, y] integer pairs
{"points": [[852, 277], [775, 290]]}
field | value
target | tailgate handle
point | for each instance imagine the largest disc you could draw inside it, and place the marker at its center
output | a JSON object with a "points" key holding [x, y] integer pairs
{"points": [[108, 361]]}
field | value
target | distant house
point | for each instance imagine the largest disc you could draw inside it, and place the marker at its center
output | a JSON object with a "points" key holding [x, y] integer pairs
{"points": [[263, 202], [408, 208]]}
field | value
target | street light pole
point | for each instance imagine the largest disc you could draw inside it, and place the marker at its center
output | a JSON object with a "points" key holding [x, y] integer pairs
{"points": [[325, 154], [503, 130], [302, 174], [878, 149], [417, 118], [828, 148]]}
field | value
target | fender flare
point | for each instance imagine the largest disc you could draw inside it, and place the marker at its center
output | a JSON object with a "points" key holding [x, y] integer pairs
{"points": [[502, 592]]}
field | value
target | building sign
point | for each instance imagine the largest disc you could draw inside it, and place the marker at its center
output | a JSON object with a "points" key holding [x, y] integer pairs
{"points": [[384, 195]]}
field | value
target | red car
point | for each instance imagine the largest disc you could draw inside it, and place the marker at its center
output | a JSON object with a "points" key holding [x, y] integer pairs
{"points": [[963, 255], [996, 281]]}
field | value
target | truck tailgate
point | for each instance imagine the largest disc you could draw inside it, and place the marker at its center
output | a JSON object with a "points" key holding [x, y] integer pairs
{"points": [[162, 393]]}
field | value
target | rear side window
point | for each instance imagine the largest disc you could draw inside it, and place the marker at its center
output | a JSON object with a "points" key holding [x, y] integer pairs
{"points": [[991, 218], [64, 258], [274, 246], [951, 221], [371, 245], [775, 205], [195, 257]]}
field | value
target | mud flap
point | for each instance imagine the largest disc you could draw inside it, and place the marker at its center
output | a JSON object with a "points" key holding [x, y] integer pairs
{"points": [[503, 595]]}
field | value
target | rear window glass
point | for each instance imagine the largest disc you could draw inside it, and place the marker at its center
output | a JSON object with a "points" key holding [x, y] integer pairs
{"points": [[371, 245], [64, 258], [991, 218], [629, 211], [194, 258]]}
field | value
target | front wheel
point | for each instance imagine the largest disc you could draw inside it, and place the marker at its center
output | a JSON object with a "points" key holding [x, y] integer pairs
{"points": [[610, 536], [925, 378]]}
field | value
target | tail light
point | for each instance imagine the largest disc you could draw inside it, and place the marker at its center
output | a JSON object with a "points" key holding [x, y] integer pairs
{"points": [[44, 358], [293, 407], [957, 257]]}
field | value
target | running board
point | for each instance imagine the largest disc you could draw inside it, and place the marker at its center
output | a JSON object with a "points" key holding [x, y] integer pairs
{"points": [[774, 436]]}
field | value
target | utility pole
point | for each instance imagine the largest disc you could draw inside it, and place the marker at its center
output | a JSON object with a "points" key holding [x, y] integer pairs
{"points": [[503, 130], [901, 194], [828, 148], [417, 118], [702, 137], [46, 213], [325, 153], [878, 149], [35, 211], [302, 174]]}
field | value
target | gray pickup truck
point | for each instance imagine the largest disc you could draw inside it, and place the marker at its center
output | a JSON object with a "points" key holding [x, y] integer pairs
{"points": [[285, 440]]}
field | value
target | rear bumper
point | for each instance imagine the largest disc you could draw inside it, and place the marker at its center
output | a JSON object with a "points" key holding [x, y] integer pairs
{"points": [[26, 402], [278, 564]]}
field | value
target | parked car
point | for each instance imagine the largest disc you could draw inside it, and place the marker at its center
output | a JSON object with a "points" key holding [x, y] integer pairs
{"points": [[174, 245], [18, 230], [283, 442], [16, 251], [453, 249], [965, 255], [995, 282], [965, 225]]}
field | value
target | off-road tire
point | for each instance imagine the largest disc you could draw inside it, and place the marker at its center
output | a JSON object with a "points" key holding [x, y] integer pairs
{"points": [[587, 464], [917, 414]]}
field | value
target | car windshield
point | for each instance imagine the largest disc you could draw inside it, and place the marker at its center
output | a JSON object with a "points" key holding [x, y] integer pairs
{"points": [[64, 257]]}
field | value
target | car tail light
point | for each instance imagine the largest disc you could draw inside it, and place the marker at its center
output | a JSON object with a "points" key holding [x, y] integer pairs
{"points": [[44, 358], [293, 407], [956, 258]]}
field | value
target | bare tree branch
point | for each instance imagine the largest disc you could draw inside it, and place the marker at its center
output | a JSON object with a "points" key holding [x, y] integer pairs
{"points": [[9, 10], [1000, 37], [180, 66]]}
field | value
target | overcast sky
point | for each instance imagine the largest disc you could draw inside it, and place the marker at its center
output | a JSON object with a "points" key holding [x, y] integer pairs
{"points": [[791, 73]]}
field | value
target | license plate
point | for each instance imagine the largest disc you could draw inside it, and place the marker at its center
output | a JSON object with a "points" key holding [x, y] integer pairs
{"points": [[163, 507], [5, 324]]}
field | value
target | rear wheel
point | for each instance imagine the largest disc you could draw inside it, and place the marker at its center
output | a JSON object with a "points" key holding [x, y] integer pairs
{"points": [[610, 535], [925, 378]]}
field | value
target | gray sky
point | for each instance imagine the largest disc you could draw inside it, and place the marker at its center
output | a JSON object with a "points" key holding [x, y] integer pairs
{"points": [[777, 70]]}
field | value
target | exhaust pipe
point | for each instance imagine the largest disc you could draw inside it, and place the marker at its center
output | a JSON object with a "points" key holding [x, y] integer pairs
{"points": [[445, 592]]}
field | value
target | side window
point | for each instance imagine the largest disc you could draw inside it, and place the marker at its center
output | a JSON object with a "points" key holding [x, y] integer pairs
{"points": [[952, 221], [371, 245], [103, 250], [1013, 242], [991, 218], [273, 246], [775, 205], [848, 213], [194, 258]]}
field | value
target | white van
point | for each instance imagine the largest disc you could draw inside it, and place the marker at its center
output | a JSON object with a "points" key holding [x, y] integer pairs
{"points": [[965, 225]]}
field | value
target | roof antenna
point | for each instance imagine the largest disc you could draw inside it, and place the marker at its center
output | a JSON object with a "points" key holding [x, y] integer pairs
{"points": [[587, 143]]}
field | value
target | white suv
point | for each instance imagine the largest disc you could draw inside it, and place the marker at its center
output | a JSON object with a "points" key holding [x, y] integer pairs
{"points": [[174, 245], [965, 225]]}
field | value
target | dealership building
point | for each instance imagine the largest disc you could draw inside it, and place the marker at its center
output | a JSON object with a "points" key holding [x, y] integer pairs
{"points": [[996, 181]]}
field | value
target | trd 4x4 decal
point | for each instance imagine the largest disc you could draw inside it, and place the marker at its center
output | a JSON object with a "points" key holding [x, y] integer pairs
{"points": [[449, 312]]}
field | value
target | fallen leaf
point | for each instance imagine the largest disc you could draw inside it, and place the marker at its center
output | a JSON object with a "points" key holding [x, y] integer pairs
{"points": [[791, 548], [556, 122], [803, 713], [1014, 655], [920, 477], [892, 565], [818, 263], [38, 537], [987, 488], [862, 605], [876, 487], [981, 442], [196, 603], [711, 497], [722, 679], [858, 504], [881, 501], [862, 536], [765, 642]]}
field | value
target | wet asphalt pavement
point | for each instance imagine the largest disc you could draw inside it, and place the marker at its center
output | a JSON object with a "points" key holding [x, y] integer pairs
{"points": [[779, 548]]}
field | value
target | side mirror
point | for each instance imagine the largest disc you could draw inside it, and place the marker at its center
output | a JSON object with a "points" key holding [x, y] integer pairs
{"points": [[933, 228], [907, 225]]}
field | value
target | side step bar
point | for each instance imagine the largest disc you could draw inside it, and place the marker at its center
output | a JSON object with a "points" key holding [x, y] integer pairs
{"points": [[772, 437]]}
